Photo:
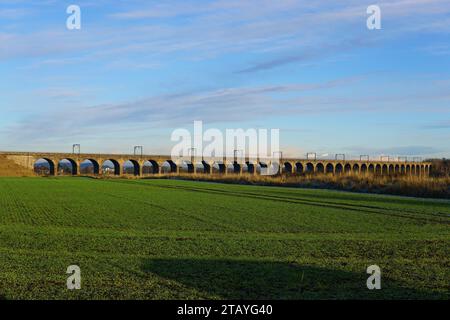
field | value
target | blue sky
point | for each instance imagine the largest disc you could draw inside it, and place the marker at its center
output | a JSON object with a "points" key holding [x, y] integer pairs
{"points": [[137, 70]]}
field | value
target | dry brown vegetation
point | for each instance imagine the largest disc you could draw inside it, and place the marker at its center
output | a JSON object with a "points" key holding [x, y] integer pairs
{"points": [[398, 185], [9, 168], [433, 187]]}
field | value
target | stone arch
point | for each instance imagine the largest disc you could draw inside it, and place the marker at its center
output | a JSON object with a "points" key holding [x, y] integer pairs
{"points": [[413, 169], [371, 168], [339, 168], [299, 168], [150, 167], [391, 169], [44, 166], [378, 169], [135, 167], [397, 169], [115, 167], [184, 166], [230, 168], [355, 168], [274, 167], [244, 167], [261, 166], [329, 168], [309, 168], [90, 166], [250, 167], [219, 167], [169, 166], [364, 168], [384, 169], [204, 166], [348, 168], [236, 167], [320, 168], [287, 167], [408, 169], [402, 169], [73, 166]]}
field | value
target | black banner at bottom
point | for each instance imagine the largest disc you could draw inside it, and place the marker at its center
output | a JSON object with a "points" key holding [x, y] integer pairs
{"points": [[228, 309]]}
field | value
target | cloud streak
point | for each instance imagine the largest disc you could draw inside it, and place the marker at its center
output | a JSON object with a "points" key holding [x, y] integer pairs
{"points": [[214, 106], [219, 27]]}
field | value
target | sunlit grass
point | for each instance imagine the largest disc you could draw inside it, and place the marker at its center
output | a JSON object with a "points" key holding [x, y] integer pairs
{"points": [[417, 186]]}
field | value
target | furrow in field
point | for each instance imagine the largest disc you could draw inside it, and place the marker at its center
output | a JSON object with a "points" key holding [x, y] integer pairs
{"points": [[328, 204]]}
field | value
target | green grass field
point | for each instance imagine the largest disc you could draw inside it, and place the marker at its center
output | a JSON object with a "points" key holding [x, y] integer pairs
{"points": [[168, 239]]}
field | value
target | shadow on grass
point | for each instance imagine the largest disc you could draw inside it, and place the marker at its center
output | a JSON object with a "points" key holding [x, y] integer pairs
{"points": [[241, 279]]}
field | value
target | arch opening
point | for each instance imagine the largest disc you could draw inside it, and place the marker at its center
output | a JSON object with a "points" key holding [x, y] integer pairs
{"points": [[363, 168], [299, 168], [67, 167], [378, 169], [169, 167], [250, 167], [320, 168], [287, 167], [44, 167], [309, 168], [186, 167], [131, 167], [329, 168], [89, 167], [348, 168], [219, 167], [339, 168], [236, 167], [260, 167], [230, 168], [150, 167], [111, 167], [204, 167]]}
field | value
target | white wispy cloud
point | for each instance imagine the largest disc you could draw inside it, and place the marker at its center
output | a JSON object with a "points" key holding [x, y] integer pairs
{"points": [[169, 110], [217, 27]]}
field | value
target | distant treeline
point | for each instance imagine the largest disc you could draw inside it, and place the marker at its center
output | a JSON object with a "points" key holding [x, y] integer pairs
{"points": [[440, 167]]}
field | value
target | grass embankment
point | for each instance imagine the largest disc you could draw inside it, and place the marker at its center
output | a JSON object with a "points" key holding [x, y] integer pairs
{"points": [[166, 239], [413, 186]]}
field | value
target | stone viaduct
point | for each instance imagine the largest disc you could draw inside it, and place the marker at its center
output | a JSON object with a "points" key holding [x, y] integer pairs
{"points": [[158, 164]]}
